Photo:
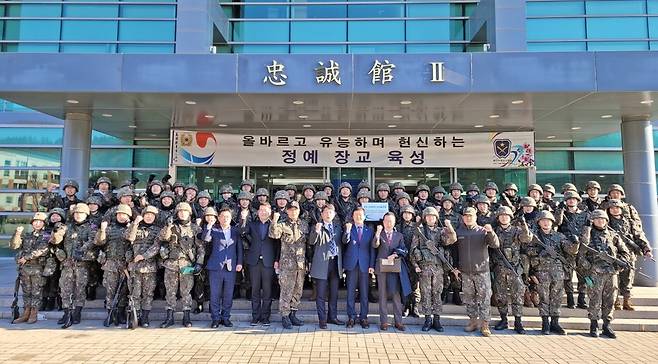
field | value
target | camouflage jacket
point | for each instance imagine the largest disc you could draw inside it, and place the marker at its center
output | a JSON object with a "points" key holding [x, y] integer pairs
{"points": [[344, 209], [454, 217], [426, 247], [572, 223], [183, 244], [51, 200], [512, 241], [32, 246], [293, 243], [631, 233], [559, 243], [408, 230], [114, 246], [145, 242], [486, 218], [77, 243], [602, 240]]}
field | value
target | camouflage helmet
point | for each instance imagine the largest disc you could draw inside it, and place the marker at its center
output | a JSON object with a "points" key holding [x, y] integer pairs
{"points": [[184, 206], [167, 194], [124, 192], [528, 201], [364, 184], [244, 195], [225, 189], [545, 215], [126, 183], [422, 187], [398, 185], [308, 187], [81, 208], [616, 187], [473, 188], [321, 195], [615, 203], [281, 195], [456, 186], [491, 185], [57, 211], [511, 186], [203, 194], [247, 182], [95, 200], [438, 189], [156, 182], [328, 185], [290, 187], [447, 198], [150, 209], [535, 187], [363, 194], [572, 194], [504, 210], [345, 185], [599, 214], [402, 195], [72, 183], [430, 211], [549, 188], [192, 186], [410, 209], [103, 180], [124, 209], [383, 187], [262, 192], [569, 187], [592, 184], [41, 216], [178, 184], [482, 199], [210, 211]]}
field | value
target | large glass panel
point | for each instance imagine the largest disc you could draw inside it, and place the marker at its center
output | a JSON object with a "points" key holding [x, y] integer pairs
{"points": [[27, 179], [615, 7], [151, 158], [261, 32], [544, 29], [33, 157], [318, 31], [110, 158], [318, 11], [552, 160], [20, 202], [46, 136], [276, 178], [375, 11], [412, 177], [211, 179], [138, 30], [554, 8], [610, 28], [500, 176], [353, 176], [593, 161], [376, 31]]}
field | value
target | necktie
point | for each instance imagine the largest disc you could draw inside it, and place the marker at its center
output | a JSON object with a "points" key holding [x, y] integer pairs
{"points": [[359, 232], [333, 249], [388, 238]]}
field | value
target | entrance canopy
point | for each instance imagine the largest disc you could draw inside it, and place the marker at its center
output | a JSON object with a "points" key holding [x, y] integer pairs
{"points": [[570, 96]]}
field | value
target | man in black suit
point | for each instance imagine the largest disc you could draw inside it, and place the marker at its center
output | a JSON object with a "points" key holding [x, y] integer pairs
{"points": [[326, 267], [261, 257]]}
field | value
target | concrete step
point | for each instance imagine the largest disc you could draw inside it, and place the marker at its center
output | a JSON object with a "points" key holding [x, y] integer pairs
{"points": [[242, 318]]}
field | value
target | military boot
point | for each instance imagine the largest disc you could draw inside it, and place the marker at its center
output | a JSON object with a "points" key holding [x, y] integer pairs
{"points": [[436, 324], [294, 320], [186, 319], [555, 326], [25, 317], [76, 316], [607, 330], [169, 321], [50, 304], [122, 316], [617, 304], [285, 321], [472, 325], [545, 325], [33, 316], [64, 317], [456, 298], [427, 326], [67, 319], [581, 301], [628, 305], [144, 322], [518, 325], [594, 328], [570, 301], [503, 324], [484, 328]]}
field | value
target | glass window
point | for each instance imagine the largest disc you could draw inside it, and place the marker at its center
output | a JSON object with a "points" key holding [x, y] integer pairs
{"points": [[138, 30], [105, 139], [552, 160], [109, 158], [261, 32], [28, 179], [500, 176], [541, 29], [264, 11], [412, 177], [145, 48], [34, 10], [148, 11], [117, 177], [46, 136], [617, 46], [20, 202], [652, 6], [33, 157], [32, 29], [143, 176], [318, 31], [90, 11], [376, 11], [352, 175], [604, 161], [318, 11], [151, 158], [376, 31], [557, 47], [554, 8], [556, 179], [89, 30], [430, 10], [608, 140], [615, 7], [607, 28], [211, 179]]}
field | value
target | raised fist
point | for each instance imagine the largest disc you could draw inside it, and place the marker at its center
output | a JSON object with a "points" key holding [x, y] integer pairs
{"points": [[52, 187], [488, 228], [104, 225], [20, 229], [275, 216], [348, 226], [447, 223], [139, 219], [318, 227], [244, 214], [379, 229]]}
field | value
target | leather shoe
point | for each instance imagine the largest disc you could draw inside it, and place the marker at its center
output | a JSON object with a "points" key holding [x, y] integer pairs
{"points": [[350, 323], [336, 322], [215, 324], [323, 325], [254, 322], [365, 324], [400, 327], [384, 327], [228, 323]]}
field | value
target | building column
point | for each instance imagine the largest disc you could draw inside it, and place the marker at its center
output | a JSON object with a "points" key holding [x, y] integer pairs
{"points": [[76, 150], [640, 185]]}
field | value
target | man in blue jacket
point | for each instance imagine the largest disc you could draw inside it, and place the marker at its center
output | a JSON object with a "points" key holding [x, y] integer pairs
{"points": [[224, 261], [359, 262], [326, 268], [261, 257]]}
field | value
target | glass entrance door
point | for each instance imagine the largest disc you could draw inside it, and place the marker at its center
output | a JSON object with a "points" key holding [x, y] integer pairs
{"points": [[276, 178], [412, 177], [353, 176], [210, 178], [500, 176]]}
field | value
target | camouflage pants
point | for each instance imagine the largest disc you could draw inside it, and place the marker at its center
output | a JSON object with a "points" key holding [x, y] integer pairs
{"points": [[568, 282], [292, 283], [143, 286], [175, 281], [111, 281], [602, 296], [551, 290], [414, 279], [32, 286], [627, 277], [73, 281], [477, 295], [431, 286], [509, 291]]}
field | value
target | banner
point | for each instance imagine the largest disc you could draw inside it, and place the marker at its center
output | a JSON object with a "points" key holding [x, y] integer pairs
{"points": [[469, 150]]}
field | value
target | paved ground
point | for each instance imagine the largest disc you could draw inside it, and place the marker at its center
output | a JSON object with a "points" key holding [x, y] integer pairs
{"points": [[46, 342]]}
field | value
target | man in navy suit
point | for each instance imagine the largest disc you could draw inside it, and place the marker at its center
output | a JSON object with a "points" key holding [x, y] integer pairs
{"points": [[224, 261], [359, 262], [326, 267], [261, 257]]}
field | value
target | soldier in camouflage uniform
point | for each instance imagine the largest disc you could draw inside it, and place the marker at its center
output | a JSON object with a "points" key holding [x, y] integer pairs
{"points": [[243, 210], [32, 248], [384, 195], [426, 246], [571, 220], [421, 201], [398, 188], [407, 227], [451, 282], [402, 199], [52, 270], [510, 197], [602, 241], [631, 232], [456, 189], [190, 193], [509, 286], [550, 270], [437, 195], [537, 193], [472, 193], [491, 192], [549, 192], [527, 210], [52, 199], [111, 238], [308, 191], [484, 213], [281, 200], [73, 241], [247, 185], [103, 189], [143, 235], [593, 201], [261, 196], [183, 255], [345, 203], [292, 262], [95, 272], [167, 208]]}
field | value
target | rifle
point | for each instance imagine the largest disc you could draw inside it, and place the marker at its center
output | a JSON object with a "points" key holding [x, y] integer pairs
{"points": [[508, 264], [133, 321], [553, 254], [69, 319], [614, 260], [14, 305], [115, 303], [434, 250], [632, 245]]}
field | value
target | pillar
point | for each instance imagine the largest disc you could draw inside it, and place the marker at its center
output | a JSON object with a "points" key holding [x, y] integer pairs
{"points": [[76, 150], [640, 185]]}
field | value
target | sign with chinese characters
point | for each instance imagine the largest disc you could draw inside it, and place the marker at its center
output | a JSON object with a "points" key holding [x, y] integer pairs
{"points": [[470, 150]]}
